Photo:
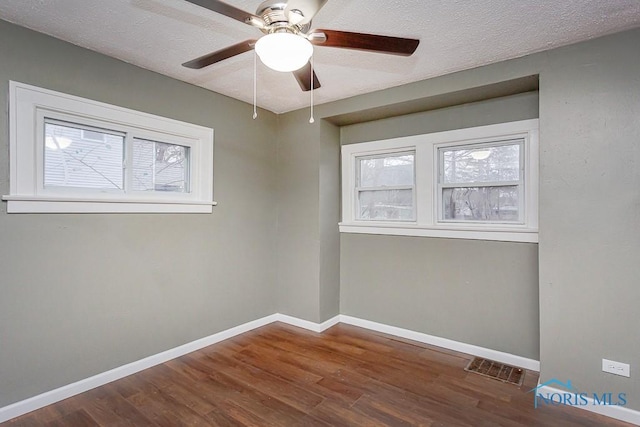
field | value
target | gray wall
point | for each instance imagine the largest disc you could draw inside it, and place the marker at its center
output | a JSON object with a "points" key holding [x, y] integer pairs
{"points": [[521, 106], [477, 292], [329, 216], [590, 213], [81, 294], [472, 291], [298, 239], [308, 212]]}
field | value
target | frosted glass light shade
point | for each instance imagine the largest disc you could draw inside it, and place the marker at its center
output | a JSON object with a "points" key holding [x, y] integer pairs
{"points": [[480, 154], [284, 51]]}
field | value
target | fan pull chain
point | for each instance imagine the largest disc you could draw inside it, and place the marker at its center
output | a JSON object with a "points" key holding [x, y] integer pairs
{"points": [[255, 78], [311, 120]]}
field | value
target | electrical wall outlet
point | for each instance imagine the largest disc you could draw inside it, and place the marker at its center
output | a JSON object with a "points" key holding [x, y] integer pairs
{"points": [[616, 368]]}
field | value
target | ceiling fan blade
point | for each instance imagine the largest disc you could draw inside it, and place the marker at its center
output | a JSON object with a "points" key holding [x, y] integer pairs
{"points": [[303, 76], [220, 55], [231, 12], [307, 10], [361, 41]]}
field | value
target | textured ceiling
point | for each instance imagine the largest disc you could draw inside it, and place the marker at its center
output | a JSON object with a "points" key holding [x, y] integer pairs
{"points": [[160, 35]]}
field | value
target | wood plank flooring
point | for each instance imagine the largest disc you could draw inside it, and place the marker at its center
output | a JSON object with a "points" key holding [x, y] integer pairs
{"points": [[279, 375]]}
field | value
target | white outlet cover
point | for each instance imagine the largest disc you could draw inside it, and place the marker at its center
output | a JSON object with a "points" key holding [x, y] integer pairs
{"points": [[616, 368]]}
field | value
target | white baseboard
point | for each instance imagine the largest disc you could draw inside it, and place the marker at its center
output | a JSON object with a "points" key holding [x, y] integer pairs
{"points": [[618, 412], [47, 398], [36, 402], [474, 350], [312, 326]]}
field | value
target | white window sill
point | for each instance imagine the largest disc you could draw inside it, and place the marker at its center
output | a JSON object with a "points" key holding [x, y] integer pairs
{"points": [[34, 204], [495, 233]]}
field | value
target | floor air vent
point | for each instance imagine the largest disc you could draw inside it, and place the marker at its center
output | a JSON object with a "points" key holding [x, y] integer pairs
{"points": [[496, 370]]}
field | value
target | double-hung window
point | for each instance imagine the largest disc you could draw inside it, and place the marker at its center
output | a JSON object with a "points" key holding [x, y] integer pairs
{"points": [[385, 187], [70, 154], [481, 183], [475, 183]]}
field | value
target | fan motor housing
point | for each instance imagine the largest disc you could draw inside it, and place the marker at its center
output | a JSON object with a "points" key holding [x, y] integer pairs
{"points": [[274, 15]]}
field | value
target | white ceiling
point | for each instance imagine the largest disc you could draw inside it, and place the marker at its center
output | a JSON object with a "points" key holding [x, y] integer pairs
{"points": [[159, 35]]}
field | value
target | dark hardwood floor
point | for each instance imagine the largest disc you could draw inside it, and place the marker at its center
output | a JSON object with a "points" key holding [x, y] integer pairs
{"points": [[279, 375]]}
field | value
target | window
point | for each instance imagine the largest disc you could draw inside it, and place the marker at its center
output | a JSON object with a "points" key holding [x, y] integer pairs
{"points": [[385, 187], [158, 166], [69, 154], [476, 183], [481, 183], [72, 161]]}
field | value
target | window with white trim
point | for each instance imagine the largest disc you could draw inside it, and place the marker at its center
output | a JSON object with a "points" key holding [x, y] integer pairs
{"points": [[474, 183], [481, 183], [385, 187], [70, 154]]}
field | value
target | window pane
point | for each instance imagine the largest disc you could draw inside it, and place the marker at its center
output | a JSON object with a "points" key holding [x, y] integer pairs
{"points": [[387, 171], [160, 167], [386, 205], [481, 203], [73, 161], [484, 164]]}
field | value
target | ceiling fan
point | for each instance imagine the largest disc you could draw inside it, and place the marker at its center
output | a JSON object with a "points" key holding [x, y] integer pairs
{"points": [[288, 41]]}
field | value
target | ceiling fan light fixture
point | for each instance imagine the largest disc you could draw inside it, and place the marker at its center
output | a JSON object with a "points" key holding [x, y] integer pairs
{"points": [[284, 51], [480, 154]]}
